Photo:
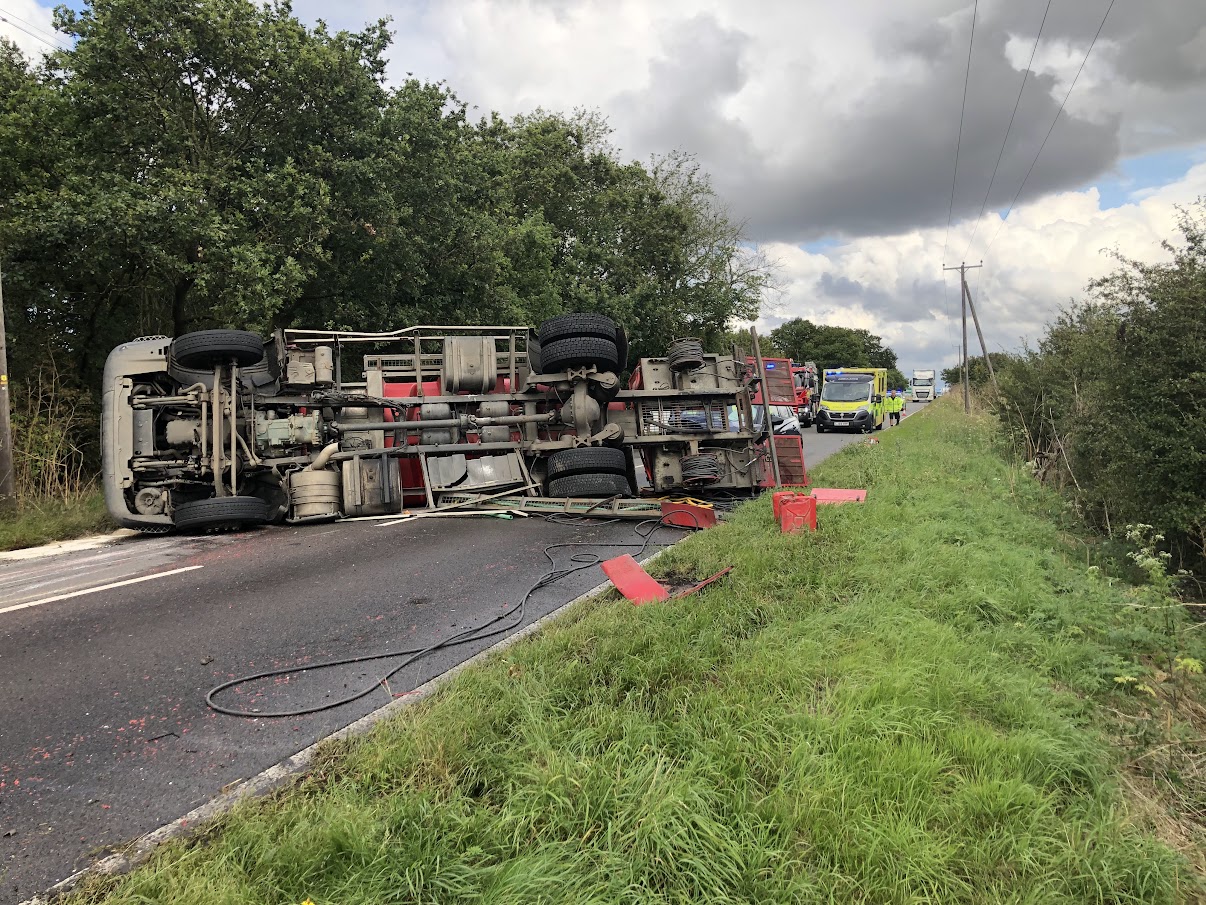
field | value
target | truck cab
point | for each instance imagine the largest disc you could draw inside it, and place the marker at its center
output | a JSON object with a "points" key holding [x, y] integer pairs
{"points": [[808, 391], [923, 386]]}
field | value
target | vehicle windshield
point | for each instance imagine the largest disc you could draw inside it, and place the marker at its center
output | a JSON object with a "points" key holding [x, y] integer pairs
{"points": [[779, 414], [846, 390], [922, 382]]}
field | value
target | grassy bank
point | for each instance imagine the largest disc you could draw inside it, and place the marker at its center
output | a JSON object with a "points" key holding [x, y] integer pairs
{"points": [[42, 521], [916, 704]]}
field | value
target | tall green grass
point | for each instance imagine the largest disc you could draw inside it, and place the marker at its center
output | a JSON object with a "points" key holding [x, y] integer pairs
{"points": [[898, 709]]}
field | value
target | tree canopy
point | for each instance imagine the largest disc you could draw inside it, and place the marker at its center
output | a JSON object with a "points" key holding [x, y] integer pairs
{"points": [[977, 370], [834, 347], [220, 163]]}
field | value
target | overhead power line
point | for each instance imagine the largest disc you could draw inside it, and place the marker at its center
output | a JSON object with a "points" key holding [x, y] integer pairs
{"points": [[29, 29], [1052, 128], [1008, 129], [959, 139]]}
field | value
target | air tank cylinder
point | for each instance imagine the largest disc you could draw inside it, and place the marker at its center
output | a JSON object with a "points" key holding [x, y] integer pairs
{"points": [[498, 433], [324, 365], [315, 494]]}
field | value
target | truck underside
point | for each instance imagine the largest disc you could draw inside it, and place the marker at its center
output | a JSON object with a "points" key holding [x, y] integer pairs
{"points": [[220, 428]]}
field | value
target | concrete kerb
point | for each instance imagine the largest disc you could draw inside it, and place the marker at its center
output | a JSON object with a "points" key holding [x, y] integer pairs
{"points": [[294, 767]]}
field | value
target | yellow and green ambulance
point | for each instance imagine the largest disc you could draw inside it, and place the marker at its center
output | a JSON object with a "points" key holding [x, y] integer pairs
{"points": [[853, 399]]}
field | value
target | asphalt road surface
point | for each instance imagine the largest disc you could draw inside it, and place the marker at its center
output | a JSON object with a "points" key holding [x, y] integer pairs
{"points": [[105, 734]]}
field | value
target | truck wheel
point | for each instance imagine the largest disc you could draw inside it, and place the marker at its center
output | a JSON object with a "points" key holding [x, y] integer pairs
{"points": [[569, 326], [579, 352], [587, 460], [220, 512], [206, 348], [534, 362], [820, 428], [590, 485]]}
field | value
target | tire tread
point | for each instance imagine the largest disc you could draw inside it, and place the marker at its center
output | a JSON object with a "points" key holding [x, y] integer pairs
{"points": [[579, 352], [590, 486], [587, 460]]}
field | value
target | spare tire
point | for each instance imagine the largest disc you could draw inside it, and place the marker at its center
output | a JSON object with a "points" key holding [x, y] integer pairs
{"points": [[590, 485], [568, 326], [220, 512], [580, 352], [534, 362], [588, 460], [205, 349]]}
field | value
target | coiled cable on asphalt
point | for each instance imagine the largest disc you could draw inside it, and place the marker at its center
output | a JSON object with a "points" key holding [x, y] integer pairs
{"points": [[703, 468], [513, 618], [685, 354]]}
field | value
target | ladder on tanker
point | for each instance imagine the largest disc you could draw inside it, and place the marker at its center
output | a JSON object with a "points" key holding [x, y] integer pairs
{"points": [[618, 507]]}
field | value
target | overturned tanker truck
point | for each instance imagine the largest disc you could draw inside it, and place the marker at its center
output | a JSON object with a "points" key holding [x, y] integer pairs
{"points": [[219, 428]]}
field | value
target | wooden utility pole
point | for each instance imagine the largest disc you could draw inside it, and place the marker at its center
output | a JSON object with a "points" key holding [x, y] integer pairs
{"points": [[964, 300], [980, 333], [8, 487]]}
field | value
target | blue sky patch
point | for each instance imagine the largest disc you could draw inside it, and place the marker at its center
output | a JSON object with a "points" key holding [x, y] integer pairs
{"points": [[1146, 172]]}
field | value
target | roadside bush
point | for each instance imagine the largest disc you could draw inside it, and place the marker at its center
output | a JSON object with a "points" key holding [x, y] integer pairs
{"points": [[55, 427], [1111, 406]]}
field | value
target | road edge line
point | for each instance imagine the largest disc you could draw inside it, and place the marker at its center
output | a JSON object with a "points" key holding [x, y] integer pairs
{"points": [[68, 595], [292, 768]]}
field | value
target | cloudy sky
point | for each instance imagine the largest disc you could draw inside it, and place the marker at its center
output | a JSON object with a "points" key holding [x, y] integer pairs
{"points": [[830, 130]]}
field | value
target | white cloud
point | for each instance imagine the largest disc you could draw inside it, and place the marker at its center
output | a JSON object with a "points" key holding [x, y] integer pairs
{"points": [[30, 27], [1042, 259]]}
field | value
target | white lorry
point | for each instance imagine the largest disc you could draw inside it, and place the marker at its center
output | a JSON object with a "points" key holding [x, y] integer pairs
{"points": [[923, 386]]}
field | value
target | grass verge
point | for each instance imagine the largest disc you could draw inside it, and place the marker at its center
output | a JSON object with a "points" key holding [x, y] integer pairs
{"points": [[908, 706], [43, 521]]}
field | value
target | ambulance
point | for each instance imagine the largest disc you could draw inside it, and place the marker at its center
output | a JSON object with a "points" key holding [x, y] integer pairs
{"points": [[853, 399]]}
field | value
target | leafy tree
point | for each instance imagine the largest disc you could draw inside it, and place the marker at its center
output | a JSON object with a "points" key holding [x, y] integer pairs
{"points": [[977, 370], [833, 347], [222, 164]]}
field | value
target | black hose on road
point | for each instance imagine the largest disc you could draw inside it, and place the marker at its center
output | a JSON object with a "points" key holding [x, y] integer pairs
{"points": [[513, 618]]}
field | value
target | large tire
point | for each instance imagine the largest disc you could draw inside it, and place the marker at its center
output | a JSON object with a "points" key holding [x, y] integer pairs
{"points": [[587, 460], [220, 512], [580, 352], [570, 326], [206, 348], [534, 361], [590, 485]]}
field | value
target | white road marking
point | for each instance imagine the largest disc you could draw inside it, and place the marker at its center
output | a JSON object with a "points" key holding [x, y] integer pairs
{"points": [[69, 546], [103, 587]]}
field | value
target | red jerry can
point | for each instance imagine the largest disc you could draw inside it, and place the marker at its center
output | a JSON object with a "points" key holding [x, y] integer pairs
{"points": [[779, 497], [798, 514]]}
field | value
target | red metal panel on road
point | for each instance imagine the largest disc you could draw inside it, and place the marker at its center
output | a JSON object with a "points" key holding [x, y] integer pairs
{"points": [[633, 581], [836, 495]]}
